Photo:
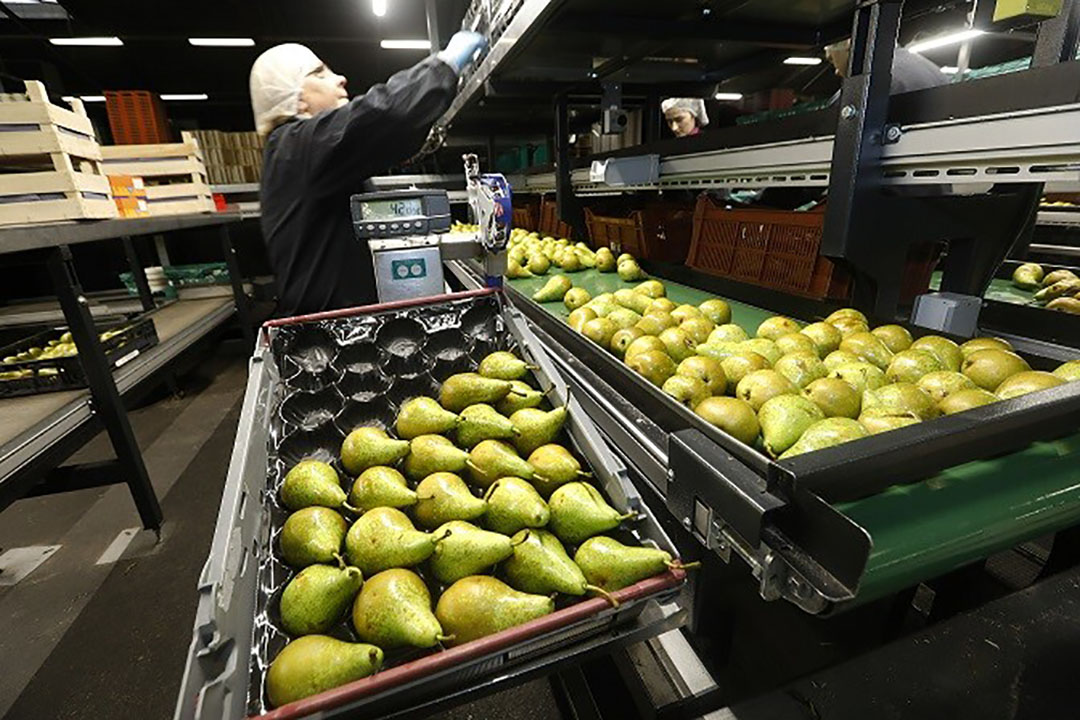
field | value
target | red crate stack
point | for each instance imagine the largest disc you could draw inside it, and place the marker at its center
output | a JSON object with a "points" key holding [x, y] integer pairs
{"points": [[137, 117]]}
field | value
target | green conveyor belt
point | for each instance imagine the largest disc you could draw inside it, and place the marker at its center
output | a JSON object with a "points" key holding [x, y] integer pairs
{"points": [[922, 530], [1000, 290]]}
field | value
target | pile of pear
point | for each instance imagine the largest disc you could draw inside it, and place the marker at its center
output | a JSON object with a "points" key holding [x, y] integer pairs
{"points": [[1057, 289], [795, 388], [529, 255], [467, 519]]}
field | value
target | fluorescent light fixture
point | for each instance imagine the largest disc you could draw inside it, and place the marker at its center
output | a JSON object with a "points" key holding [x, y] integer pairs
{"points": [[221, 42], [727, 96], [84, 98], [799, 60], [943, 40], [405, 44], [88, 41], [949, 69], [186, 96], [378, 7]]}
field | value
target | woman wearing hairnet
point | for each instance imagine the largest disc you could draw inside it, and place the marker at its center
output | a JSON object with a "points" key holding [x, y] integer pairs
{"points": [[685, 116], [321, 148]]}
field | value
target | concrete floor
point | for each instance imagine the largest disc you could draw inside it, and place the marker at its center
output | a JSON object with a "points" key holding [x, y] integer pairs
{"points": [[86, 640]]}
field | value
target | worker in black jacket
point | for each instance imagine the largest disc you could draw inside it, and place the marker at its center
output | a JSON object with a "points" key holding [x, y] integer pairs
{"points": [[321, 148]]}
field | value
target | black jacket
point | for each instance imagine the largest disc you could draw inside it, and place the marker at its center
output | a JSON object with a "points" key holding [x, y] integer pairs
{"points": [[311, 167]]}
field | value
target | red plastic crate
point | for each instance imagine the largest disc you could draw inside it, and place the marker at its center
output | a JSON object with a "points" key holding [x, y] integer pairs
{"points": [[137, 117], [550, 223], [659, 232]]}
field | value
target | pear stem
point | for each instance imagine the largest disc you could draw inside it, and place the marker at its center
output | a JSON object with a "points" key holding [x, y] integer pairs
{"points": [[524, 538], [676, 565], [353, 571], [353, 510], [445, 535], [628, 516], [603, 593], [487, 495], [341, 560], [445, 638], [584, 473]]}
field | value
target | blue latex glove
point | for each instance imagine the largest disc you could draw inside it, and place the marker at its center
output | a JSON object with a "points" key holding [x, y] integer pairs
{"points": [[462, 49]]}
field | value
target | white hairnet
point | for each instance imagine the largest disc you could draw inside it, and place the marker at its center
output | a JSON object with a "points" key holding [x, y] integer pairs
{"points": [[694, 106], [275, 83]]}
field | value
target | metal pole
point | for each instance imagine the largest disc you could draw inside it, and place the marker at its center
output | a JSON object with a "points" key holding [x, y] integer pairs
{"points": [[243, 309], [106, 399], [432, 10], [139, 273], [566, 206]]}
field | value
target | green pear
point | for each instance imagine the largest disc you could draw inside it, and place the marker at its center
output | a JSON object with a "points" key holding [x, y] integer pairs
{"points": [[623, 318], [493, 459], [313, 664], [513, 504], [503, 365], [656, 366], [989, 368], [761, 386], [825, 336], [629, 271], [652, 288], [869, 348], [658, 303], [900, 398], [575, 298], [740, 364], [896, 337], [826, 433], [554, 290], [480, 605], [1069, 372], [706, 369], [539, 264], [1028, 276], [521, 395], [317, 598], [796, 342], [721, 351], [393, 610], [839, 357], [983, 343], [762, 346], [645, 344], [1069, 305], [678, 344], [577, 318], [685, 312], [784, 419], [631, 300], [848, 313], [423, 416], [688, 391], [879, 419], [384, 538], [777, 326], [443, 496], [370, 446], [849, 325], [860, 375], [734, 416], [802, 367], [605, 260], [1023, 383], [602, 305], [835, 397], [728, 333], [600, 331], [717, 310], [536, 427], [433, 453], [311, 482], [948, 352], [910, 365], [579, 511], [966, 399], [553, 466], [608, 564], [621, 340], [464, 389], [698, 328], [467, 550], [482, 422], [312, 535], [1056, 276], [540, 565], [943, 383], [380, 486]]}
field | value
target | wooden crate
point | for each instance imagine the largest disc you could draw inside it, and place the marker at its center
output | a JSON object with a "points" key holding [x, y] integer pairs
{"points": [[174, 174], [50, 162]]}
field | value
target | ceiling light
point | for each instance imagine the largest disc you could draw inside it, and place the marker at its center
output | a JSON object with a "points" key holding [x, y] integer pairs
{"points": [[943, 40], [798, 60], [84, 98], [88, 41], [405, 44], [727, 96], [949, 69], [186, 96], [221, 42], [378, 7]]}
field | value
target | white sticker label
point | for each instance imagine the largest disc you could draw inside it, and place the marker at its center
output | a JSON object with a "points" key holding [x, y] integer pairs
{"points": [[127, 358]]}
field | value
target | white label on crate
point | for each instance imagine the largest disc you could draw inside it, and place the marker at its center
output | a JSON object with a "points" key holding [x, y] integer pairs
{"points": [[137, 183], [127, 358]]}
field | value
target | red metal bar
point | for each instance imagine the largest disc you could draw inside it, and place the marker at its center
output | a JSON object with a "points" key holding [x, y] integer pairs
{"points": [[447, 659], [368, 309]]}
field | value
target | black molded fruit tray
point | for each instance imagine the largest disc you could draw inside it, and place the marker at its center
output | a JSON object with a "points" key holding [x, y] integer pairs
{"points": [[312, 382], [38, 375]]}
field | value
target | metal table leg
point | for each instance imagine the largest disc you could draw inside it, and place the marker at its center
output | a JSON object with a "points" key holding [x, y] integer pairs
{"points": [[243, 308], [106, 399], [139, 274]]}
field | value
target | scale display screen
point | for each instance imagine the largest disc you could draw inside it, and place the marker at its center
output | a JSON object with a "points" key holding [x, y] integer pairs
{"points": [[400, 213], [391, 209]]}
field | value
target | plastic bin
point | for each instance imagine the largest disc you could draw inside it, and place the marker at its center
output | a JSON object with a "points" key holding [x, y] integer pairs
{"points": [[660, 232], [549, 220]]}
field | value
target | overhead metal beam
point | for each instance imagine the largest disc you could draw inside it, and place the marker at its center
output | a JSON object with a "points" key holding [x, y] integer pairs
{"points": [[632, 28]]}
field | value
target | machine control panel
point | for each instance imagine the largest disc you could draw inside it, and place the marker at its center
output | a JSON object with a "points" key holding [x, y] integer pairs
{"points": [[400, 213]]}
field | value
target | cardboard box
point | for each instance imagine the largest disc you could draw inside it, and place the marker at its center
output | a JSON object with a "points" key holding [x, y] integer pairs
{"points": [[127, 186]]}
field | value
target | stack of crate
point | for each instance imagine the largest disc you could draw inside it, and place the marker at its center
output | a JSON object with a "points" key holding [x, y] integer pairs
{"points": [[137, 117], [50, 161], [231, 157], [174, 174]]}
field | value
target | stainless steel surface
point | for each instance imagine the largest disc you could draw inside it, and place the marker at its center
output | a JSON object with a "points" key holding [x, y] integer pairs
{"points": [[1066, 218], [46, 235]]}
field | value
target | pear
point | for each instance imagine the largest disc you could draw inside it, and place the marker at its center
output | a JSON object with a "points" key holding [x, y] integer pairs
{"points": [[698, 328], [826, 433], [943, 383], [796, 342], [433, 453], [1069, 372], [735, 417], [655, 366], [311, 482], [966, 399], [623, 318], [570, 262], [837, 358], [656, 322], [661, 304], [443, 496], [784, 419], [948, 352], [539, 264], [482, 422], [317, 598], [605, 260], [728, 333], [776, 326], [880, 419], [716, 310], [678, 344], [553, 466], [492, 459], [393, 610], [608, 564], [554, 289], [464, 389], [762, 346], [896, 337], [467, 550], [1060, 289], [849, 325], [835, 397], [503, 365], [801, 368], [989, 368], [370, 446], [600, 331], [848, 314], [825, 336], [380, 486], [1069, 305], [860, 375], [540, 565], [983, 343], [536, 427], [312, 535], [579, 317], [575, 298], [521, 395], [1023, 383], [635, 301], [651, 288], [315, 663], [479, 605], [740, 364], [621, 340], [513, 504], [900, 398], [910, 365], [629, 271], [514, 269], [603, 305], [685, 312], [423, 416], [706, 369], [761, 386], [644, 344], [579, 511], [384, 538], [1056, 276], [869, 348], [1028, 276], [688, 391]]}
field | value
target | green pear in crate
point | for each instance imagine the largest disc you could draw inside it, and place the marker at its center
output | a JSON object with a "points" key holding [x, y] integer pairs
{"points": [[539, 564], [535, 427], [380, 486], [493, 459], [367, 447], [481, 605], [554, 466], [578, 511], [608, 564], [317, 598], [313, 664], [464, 389], [503, 365], [482, 422], [312, 482], [424, 416], [384, 538], [312, 535], [443, 496], [433, 453], [393, 610], [513, 504], [467, 550]]}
